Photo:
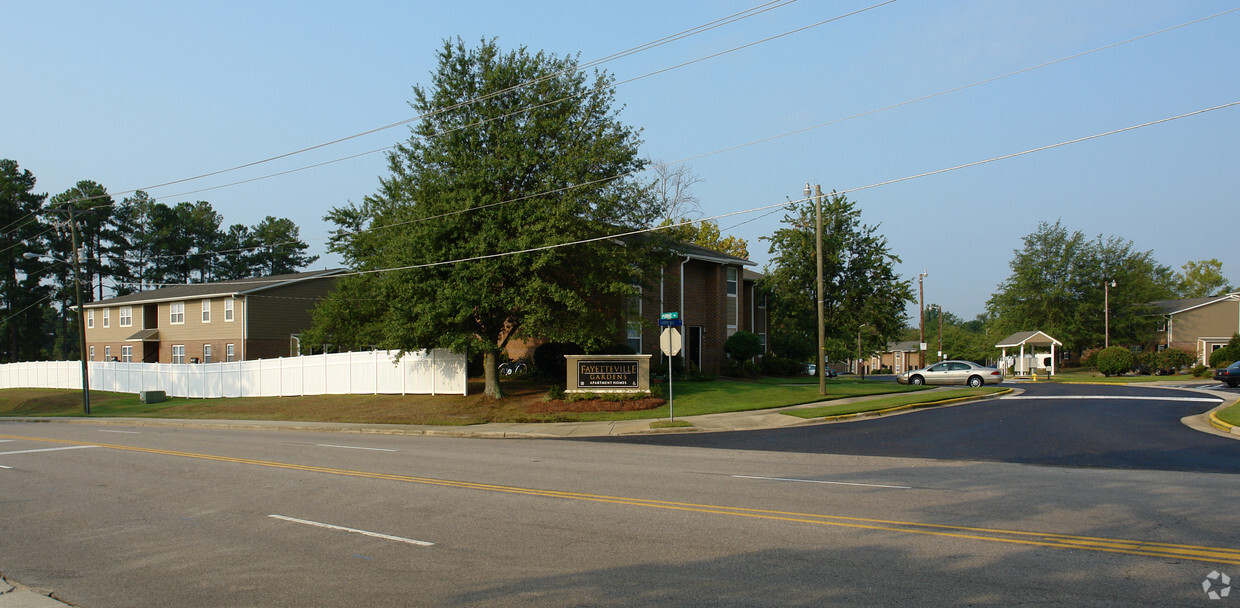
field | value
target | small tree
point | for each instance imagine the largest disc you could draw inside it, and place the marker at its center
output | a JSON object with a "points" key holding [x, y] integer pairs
{"points": [[1114, 361], [1171, 360], [1223, 356], [743, 346]]}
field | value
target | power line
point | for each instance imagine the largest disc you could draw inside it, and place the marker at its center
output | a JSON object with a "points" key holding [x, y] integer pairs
{"points": [[690, 158], [734, 17], [780, 204]]}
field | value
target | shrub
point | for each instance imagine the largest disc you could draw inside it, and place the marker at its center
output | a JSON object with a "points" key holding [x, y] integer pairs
{"points": [[741, 369], [1171, 360], [1089, 358], [743, 346], [1223, 356], [1114, 361], [1200, 371], [781, 366]]}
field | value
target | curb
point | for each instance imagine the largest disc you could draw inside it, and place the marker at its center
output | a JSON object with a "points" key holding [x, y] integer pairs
{"points": [[909, 406]]}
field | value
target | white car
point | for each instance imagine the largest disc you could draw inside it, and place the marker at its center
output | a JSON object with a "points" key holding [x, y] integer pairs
{"points": [[952, 372]]}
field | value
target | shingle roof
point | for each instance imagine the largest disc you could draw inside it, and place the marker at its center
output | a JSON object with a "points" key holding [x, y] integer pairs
{"points": [[221, 288], [1170, 307]]}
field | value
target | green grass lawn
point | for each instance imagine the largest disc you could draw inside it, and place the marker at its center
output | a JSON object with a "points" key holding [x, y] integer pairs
{"points": [[915, 400], [1230, 415], [1093, 376], [690, 398]]}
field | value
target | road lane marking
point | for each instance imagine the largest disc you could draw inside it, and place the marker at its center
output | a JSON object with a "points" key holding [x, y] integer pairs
{"points": [[1221, 555], [399, 539], [835, 483], [351, 447], [1192, 399], [126, 432], [74, 447], [4, 467]]}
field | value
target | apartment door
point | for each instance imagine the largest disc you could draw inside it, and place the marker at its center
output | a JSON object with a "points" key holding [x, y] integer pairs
{"points": [[695, 345]]}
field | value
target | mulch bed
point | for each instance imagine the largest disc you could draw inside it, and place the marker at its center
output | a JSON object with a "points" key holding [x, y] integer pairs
{"points": [[595, 405]]}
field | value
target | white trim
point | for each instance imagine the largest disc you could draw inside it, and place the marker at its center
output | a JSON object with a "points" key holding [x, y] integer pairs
{"points": [[172, 313], [206, 310], [121, 316]]}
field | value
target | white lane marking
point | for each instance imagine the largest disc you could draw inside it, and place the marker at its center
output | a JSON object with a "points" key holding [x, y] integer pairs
{"points": [[5, 440], [351, 447], [72, 447], [399, 539], [129, 432], [4, 467], [834, 483], [1193, 399]]}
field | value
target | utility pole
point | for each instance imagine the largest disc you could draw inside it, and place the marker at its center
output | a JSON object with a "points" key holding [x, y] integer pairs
{"points": [[921, 325], [822, 373], [78, 256], [81, 313], [939, 308]]}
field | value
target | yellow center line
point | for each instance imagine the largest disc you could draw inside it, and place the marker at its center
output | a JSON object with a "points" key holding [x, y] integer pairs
{"points": [[1038, 539]]}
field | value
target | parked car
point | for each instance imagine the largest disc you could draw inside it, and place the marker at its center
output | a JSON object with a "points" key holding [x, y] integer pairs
{"points": [[952, 372], [811, 369], [1229, 375]]}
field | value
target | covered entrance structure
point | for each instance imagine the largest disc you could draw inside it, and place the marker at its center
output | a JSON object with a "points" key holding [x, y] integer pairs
{"points": [[1025, 365]]}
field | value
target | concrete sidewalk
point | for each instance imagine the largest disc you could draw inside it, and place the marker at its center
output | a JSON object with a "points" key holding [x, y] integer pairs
{"points": [[730, 421], [21, 597]]}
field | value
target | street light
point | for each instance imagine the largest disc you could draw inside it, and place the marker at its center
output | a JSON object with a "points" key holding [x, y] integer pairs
{"points": [[1106, 315], [822, 373], [77, 283]]}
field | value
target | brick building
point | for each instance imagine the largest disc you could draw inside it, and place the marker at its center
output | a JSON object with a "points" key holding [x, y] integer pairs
{"points": [[716, 296], [207, 322]]}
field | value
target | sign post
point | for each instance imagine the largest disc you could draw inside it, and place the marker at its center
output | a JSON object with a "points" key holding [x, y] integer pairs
{"points": [[670, 343]]}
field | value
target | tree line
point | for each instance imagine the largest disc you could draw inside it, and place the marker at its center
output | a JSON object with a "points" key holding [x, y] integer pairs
{"points": [[133, 245]]}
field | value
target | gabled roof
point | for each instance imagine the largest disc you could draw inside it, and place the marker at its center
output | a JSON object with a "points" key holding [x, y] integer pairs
{"points": [[196, 291], [907, 346], [1032, 338], [1173, 307], [698, 252]]}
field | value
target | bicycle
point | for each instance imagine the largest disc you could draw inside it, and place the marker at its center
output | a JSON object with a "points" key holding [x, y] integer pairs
{"points": [[513, 368]]}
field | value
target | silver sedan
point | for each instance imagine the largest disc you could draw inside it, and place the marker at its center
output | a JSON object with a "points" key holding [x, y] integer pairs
{"points": [[952, 372]]}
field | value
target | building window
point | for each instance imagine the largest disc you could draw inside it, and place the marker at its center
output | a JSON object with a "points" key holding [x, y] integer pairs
{"points": [[91, 350], [126, 316], [178, 313], [127, 354], [106, 316], [635, 336], [230, 353], [206, 353], [206, 311], [107, 351], [178, 353], [733, 301], [90, 319], [228, 310]]}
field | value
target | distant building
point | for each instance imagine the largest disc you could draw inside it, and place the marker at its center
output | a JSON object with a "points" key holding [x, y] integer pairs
{"points": [[246, 319], [1198, 325], [899, 357]]}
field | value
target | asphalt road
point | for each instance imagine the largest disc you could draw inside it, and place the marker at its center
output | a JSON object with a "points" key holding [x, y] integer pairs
{"points": [[1123, 427], [110, 516]]}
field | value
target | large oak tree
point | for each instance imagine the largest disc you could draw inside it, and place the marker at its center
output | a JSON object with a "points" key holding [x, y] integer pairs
{"points": [[515, 154]]}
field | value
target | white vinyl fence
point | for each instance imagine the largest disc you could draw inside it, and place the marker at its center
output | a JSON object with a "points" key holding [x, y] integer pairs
{"points": [[424, 372]]}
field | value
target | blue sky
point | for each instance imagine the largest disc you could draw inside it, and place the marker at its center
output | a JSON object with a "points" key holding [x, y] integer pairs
{"points": [[134, 94]]}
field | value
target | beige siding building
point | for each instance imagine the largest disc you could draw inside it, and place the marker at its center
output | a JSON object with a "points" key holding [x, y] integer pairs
{"points": [[206, 323], [1199, 325]]}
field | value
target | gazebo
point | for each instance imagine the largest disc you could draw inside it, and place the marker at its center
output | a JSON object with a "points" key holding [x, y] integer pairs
{"points": [[1032, 339]]}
